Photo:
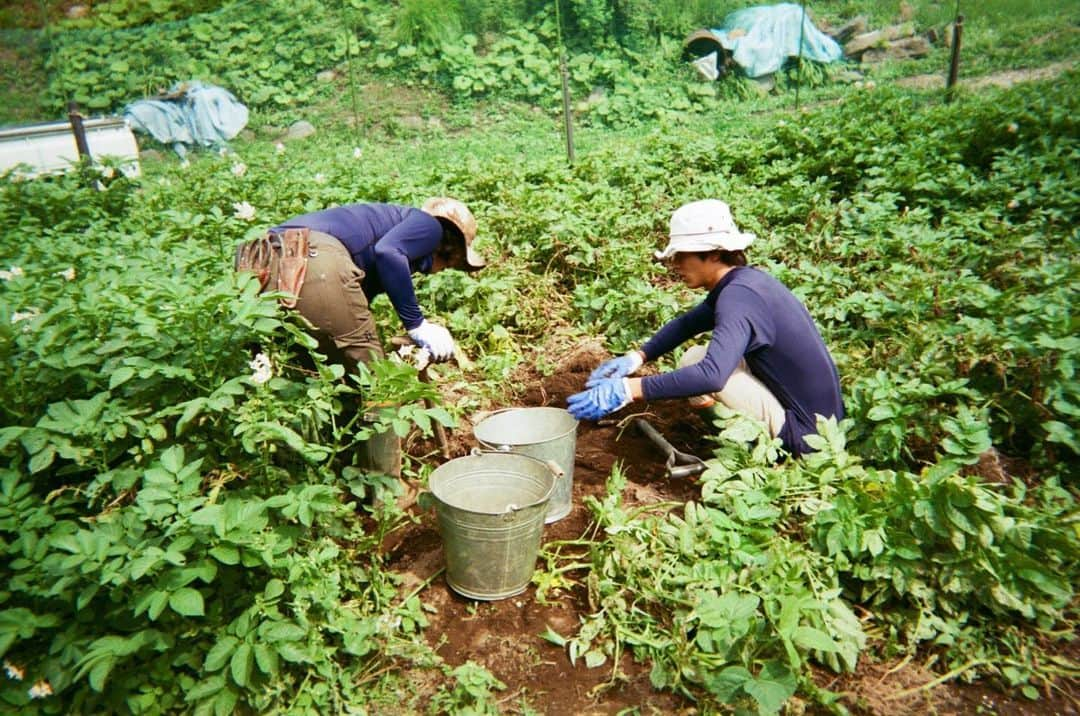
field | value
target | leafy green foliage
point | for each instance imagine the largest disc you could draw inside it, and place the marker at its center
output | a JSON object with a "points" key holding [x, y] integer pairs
{"points": [[179, 531], [267, 54], [731, 598]]}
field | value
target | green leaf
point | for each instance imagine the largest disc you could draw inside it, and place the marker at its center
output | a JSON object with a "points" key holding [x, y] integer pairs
{"points": [[220, 652], [811, 638], [226, 554], [99, 674], [158, 601], [728, 682], [240, 666], [553, 636], [274, 589], [772, 688], [204, 689], [121, 376], [187, 602], [266, 659], [173, 459]]}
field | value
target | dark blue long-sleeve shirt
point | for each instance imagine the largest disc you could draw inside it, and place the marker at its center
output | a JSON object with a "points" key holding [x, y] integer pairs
{"points": [[754, 316], [389, 242]]}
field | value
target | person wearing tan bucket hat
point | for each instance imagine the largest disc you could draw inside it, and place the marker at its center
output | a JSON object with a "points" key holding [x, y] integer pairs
{"points": [[332, 263], [359, 251], [765, 355]]}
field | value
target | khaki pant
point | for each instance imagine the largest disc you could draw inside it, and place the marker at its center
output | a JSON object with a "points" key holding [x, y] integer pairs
{"points": [[742, 392], [332, 300]]}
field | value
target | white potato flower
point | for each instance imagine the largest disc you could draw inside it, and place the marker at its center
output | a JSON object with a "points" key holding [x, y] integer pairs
{"points": [[68, 273], [19, 316], [319, 178], [357, 152], [243, 211], [13, 272], [239, 169], [40, 690], [279, 148], [262, 370], [15, 673]]}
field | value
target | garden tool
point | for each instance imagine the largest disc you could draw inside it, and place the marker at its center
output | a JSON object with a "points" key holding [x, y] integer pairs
{"points": [[678, 464], [440, 431]]}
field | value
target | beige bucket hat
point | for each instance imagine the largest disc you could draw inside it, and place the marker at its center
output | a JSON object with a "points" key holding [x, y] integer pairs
{"points": [[704, 225]]}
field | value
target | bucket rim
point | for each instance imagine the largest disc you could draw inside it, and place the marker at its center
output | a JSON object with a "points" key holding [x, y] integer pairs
{"points": [[503, 411], [555, 477]]}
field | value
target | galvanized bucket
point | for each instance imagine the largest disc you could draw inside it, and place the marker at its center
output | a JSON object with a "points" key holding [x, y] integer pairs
{"points": [[543, 433], [490, 508]]}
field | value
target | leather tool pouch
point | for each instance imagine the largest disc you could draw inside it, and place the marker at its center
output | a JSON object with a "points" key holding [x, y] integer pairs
{"points": [[289, 250]]}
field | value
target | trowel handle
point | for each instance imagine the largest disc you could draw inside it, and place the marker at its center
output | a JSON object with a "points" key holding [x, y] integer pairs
{"points": [[651, 433], [686, 470]]}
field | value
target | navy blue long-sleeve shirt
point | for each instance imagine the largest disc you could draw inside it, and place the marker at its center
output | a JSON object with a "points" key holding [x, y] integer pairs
{"points": [[753, 316], [389, 242]]}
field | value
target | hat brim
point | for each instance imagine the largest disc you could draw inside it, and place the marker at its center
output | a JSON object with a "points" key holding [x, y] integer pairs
{"points": [[473, 258], [705, 242]]}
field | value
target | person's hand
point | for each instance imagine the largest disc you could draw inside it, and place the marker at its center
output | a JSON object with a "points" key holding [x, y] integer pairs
{"points": [[435, 338], [605, 397], [615, 368]]}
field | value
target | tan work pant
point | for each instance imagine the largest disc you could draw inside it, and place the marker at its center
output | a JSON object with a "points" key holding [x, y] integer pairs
{"points": [[742, 392], [332, 299]]}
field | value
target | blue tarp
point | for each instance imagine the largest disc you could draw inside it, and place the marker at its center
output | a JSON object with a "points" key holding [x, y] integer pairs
{"points": [[760, 39], [193, 113]]}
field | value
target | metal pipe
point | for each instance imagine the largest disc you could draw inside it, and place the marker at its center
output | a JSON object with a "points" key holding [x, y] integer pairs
{"points": [[798, 71], [568, 119], [954, 62]]}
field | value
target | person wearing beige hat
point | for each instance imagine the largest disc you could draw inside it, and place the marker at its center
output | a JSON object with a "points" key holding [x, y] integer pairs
{"points": [[359, 251], [765, 355], [330, 264]]}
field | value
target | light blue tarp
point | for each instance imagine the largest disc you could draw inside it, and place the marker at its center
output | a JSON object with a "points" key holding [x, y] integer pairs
{"points": [[760, 39], [194, 113]]}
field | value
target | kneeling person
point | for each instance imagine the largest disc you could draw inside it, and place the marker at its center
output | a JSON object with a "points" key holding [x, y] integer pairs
{"points": [[765, 356]]}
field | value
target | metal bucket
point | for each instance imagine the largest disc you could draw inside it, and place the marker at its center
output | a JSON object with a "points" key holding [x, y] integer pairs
{"points": [[543, 433], [490, 508]]}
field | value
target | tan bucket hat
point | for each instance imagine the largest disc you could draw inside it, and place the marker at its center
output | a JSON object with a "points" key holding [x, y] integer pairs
{"points": [[443, 207]]}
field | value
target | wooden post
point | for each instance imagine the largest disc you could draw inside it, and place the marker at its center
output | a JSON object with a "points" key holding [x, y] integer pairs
{"points": [[954, 62], [78, 130]]}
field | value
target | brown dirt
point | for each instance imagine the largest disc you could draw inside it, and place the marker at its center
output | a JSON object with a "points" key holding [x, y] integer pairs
{"points": [[998, 79], [504, 635]]}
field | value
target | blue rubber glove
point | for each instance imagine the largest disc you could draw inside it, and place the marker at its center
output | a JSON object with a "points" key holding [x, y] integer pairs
{"points": [[605, 397], [615, 368]]}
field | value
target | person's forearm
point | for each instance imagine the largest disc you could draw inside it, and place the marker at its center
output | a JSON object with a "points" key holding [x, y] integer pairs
{"points": [[634, 386]]}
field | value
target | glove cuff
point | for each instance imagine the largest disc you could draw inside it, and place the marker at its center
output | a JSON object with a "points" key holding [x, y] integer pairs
{"points": [[629, 395], [636, 361]]}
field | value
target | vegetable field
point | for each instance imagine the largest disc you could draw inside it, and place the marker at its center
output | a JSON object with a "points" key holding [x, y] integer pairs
{"points": [[184, 527]]}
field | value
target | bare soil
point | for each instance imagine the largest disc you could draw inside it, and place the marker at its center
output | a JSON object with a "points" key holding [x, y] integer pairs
{"points": [[504, 635]]}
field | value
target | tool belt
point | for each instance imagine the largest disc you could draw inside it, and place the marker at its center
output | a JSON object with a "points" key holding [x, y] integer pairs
{"points": [[287, 249]]}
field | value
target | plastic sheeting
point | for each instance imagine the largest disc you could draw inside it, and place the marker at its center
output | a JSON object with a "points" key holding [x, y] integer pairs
{"points": [[760, 39], [192, 113]]}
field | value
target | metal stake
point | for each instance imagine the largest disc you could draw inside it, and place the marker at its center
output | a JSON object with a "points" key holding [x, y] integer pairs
{"points": [[568, 120], [798, 71]]}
